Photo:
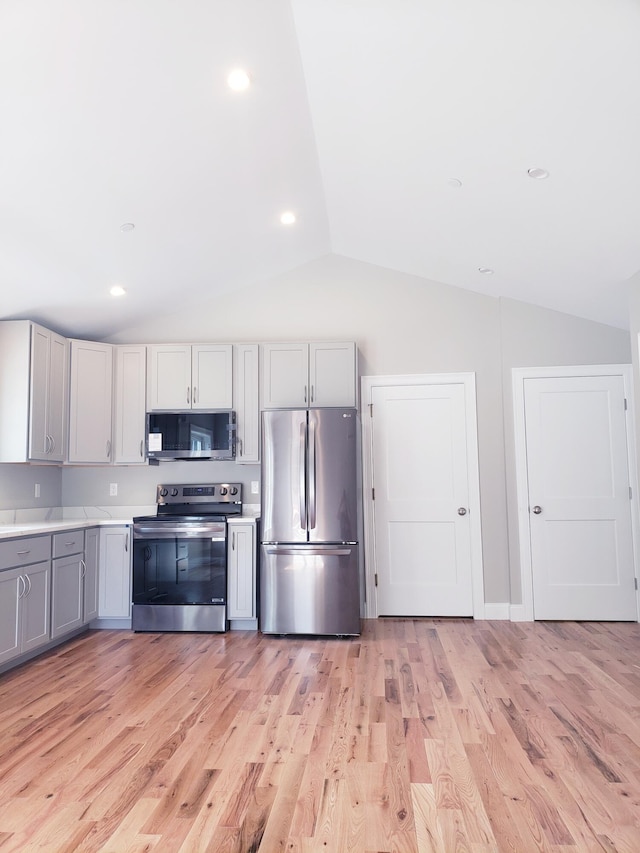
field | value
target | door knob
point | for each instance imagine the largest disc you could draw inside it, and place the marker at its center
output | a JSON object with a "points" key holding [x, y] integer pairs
{"points": [[536, 509], [462, 510]]}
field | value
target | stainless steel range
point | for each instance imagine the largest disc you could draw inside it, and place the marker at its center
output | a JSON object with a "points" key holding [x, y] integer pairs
{"points": [[180, 558]]}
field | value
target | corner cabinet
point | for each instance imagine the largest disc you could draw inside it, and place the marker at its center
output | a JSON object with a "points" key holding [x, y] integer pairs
{"points": [[189, 376], [308, 374], [33, 393], [246, 402], [90, 402], [67, 592], [241, 568]]}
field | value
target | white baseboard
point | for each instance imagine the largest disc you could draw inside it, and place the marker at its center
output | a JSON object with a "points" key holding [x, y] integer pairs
{"points": [[497, 611], [518, 613]]}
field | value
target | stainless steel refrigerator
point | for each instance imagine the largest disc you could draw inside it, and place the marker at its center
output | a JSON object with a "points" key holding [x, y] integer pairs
{"points": [[309, 575]]}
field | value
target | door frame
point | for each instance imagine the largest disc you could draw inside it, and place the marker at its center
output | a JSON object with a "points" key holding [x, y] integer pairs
{"points": [[468, 380], [525, 611]]}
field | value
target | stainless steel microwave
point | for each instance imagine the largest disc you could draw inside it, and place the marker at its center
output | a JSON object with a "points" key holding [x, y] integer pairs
{"points": [[191, 435]]}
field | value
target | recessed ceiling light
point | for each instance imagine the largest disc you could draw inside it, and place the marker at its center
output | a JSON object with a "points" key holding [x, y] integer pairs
{"points": [[538, 174], [456, 183], [117, 290], [288, 217], [238, 80], [485, 270]]}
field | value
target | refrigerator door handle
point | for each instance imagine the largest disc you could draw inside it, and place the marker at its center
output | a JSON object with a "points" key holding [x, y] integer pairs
{"points": [[308, 552], [303, 480], [312, 475]]}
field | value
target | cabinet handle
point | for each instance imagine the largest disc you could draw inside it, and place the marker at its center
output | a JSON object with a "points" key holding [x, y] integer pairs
{"points": [[239, 446], [69, 544], [53, 444], [142, 448], [188, 396], [22, 553], [126, 542], [24, 586], [84, 568], [47, 444], [195, 395], [108, 448], [27, 578], [233, 541], [312, 394], [305, 393]]}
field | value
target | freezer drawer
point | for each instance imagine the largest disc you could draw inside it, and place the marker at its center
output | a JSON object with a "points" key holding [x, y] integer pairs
{"points": [[309, 589]]}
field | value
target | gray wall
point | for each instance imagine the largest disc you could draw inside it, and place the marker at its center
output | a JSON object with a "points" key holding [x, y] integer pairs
{"points": [[402, 324], [17, 486]]}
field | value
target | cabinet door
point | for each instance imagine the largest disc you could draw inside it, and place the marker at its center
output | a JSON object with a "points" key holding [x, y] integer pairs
{"points": [[285, 375], [246, 403], [90, 574], [332, 374], [211, 376], [114, 576], [57, 398], [35, 606], [90, 397], [129, 404], [38, 429], [11, 590], [66, 595], [242, 571], [168, 377]]}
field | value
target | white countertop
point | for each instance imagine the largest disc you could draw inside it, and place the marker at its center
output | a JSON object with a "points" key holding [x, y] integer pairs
{"points": [[33, 528]]}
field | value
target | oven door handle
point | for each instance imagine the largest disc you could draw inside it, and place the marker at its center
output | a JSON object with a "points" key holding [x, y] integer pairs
{"points": [[170, 531]]}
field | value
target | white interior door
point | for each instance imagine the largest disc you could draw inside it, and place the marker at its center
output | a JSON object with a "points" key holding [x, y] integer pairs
{"points": [[579, 500], [422, 511]]}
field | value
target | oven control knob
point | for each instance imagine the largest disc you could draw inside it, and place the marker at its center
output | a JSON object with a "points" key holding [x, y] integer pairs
{"points": [[174, 493], [223, 490], [164, 492], [234, 490]]}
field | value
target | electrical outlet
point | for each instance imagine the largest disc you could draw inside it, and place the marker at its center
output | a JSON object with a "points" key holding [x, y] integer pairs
{"points": [[113, 489], [37, 490], [255, 487]]}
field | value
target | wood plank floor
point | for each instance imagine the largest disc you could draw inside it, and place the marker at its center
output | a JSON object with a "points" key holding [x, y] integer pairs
{"points": [[421, 735]]}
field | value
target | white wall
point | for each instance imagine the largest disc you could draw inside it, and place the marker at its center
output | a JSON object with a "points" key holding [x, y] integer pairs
{"points": [[404, 324]]}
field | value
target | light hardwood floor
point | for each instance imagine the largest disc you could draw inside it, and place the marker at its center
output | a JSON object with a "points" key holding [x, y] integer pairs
{"points": [[421, 735]]}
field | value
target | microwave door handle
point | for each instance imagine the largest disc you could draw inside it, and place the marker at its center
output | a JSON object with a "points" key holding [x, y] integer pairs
{"points": [[302, 468], [312, 475]]}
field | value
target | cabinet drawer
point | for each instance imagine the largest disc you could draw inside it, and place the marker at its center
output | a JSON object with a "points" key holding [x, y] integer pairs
{"points": [[23, 551], [69, 542]]}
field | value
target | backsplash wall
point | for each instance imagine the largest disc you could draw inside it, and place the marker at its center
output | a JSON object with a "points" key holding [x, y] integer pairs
{"points": [[18, 486]]}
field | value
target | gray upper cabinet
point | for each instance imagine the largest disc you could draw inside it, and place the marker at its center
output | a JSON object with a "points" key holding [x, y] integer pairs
{"points": [[129, 404], [246, 402], [189, 376], [33, 393], [90, 402], [297, 375]]}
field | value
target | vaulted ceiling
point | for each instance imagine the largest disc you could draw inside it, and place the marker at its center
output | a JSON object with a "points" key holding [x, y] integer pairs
{"points": [[399, 132]]}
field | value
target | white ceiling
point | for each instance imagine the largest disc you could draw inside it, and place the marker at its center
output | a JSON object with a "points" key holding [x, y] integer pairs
{"points": [[359, 115]]}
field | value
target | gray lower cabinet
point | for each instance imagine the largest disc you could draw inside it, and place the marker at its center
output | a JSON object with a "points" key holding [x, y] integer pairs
{"points": [[25, 577], [241, 568], [67, 586], [114, 600], [90, 578]]}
